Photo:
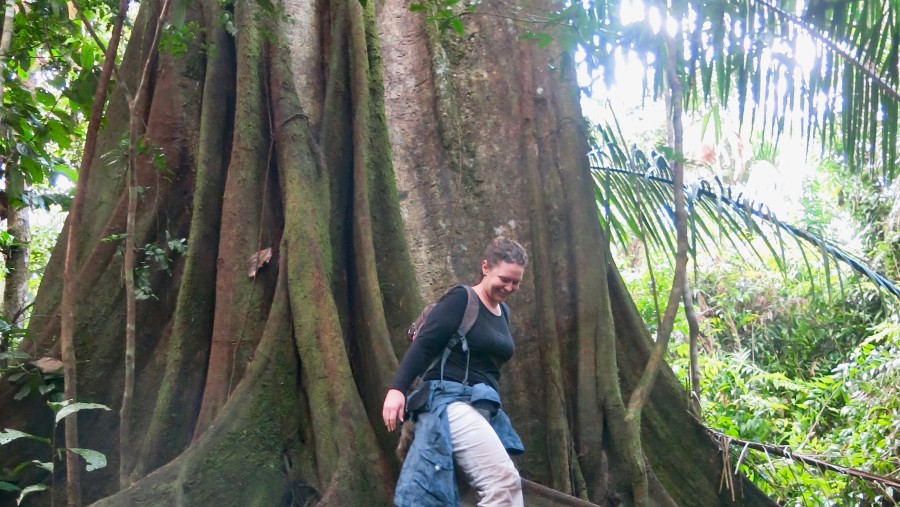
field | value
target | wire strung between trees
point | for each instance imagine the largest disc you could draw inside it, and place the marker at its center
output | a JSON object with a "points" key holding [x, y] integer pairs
{"points": [[785, 452]]}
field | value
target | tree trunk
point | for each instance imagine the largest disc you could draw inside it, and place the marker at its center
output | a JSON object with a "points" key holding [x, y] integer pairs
{"points": [[376, 157], [15, 285], [15, 288]]}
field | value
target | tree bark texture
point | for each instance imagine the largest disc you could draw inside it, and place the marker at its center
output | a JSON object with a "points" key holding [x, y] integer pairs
{"points": [[376, 156]]}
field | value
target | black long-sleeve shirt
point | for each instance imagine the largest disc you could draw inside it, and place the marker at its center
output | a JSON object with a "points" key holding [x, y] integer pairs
{"points": [[490, 344]]}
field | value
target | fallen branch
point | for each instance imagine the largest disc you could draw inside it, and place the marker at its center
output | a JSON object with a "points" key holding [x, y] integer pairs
{"points": [[532, 488]]}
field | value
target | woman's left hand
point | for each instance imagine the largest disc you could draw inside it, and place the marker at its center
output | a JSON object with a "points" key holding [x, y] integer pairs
{"points": [[394, 403]]}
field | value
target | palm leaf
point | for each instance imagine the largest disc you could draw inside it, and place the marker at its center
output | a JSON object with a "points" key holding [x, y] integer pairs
{"points": [[639, 205], [745, 54]]}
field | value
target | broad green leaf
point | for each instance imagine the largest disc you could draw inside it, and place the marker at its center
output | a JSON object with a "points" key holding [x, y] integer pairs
{"points": [[7, 486], [77, 407], [30, 489], [13, 354], [95, 460], [67, 171], [46, 465], [24, 391], [87, 57], [44, 97], [8, 435], [58, 133]]}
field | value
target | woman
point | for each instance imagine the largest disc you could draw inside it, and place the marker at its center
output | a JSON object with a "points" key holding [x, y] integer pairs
{"points": [[450, 429]]}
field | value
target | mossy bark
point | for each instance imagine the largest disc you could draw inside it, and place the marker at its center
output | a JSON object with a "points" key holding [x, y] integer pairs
{"points": [[376, 156]]}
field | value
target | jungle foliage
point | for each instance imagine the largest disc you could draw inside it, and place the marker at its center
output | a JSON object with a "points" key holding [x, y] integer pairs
{"points": [[792, 358], [799, 350], [808, 364]]}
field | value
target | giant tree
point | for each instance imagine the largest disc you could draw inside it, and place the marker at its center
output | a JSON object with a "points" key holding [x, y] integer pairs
{"points": [[375, 155]]}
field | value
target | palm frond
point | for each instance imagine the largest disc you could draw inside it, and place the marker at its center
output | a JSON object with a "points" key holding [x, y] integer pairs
{"points": [[638, 204], [830, 69]]}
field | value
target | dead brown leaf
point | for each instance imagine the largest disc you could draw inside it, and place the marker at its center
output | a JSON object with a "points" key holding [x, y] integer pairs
{"points": [[258, 260], [48, 364]]}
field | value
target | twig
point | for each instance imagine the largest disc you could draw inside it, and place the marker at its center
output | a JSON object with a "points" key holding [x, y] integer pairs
{"points": [[21, 312]]}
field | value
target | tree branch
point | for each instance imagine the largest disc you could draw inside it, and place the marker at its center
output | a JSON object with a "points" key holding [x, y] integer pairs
{"points": [[67, 305], [136, 126], [642, 392], [113, 44], [694, 329]]}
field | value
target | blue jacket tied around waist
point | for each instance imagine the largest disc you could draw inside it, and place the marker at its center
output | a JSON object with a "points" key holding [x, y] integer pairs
{"points": [[427, 477]]}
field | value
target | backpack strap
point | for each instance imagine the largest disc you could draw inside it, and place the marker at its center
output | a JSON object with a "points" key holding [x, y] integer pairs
{"points": [[470, 315]]}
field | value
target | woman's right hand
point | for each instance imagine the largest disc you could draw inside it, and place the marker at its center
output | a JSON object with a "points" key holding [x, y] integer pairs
{"points": [[394, 403]]}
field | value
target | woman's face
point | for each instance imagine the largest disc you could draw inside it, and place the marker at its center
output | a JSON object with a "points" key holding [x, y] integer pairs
{"points": [[501, 279]]}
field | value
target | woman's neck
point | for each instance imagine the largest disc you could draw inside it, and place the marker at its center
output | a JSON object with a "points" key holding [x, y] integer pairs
{"points": [[482, 292]]}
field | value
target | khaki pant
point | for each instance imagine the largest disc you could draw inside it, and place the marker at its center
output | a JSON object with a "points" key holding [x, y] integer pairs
{"points": [[480, 455]]}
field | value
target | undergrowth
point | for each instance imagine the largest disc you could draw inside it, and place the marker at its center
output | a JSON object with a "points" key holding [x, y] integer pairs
{"points": [[786, 360]]}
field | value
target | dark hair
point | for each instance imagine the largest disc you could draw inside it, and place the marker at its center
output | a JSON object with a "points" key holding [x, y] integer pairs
{"points": [[507, 250]]}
